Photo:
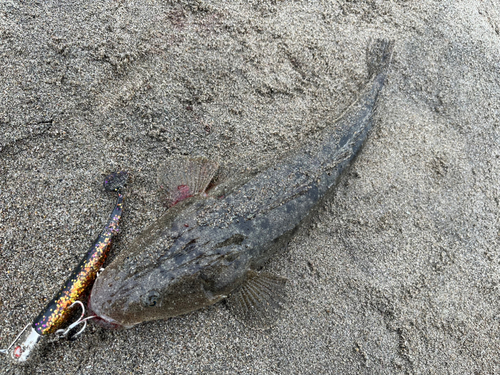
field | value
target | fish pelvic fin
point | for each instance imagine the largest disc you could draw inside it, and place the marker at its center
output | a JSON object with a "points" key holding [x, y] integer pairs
{"points": [[379, 56], [258, 302], [183, 177]]}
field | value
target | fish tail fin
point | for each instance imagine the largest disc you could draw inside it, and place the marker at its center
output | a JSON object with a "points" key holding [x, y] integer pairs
{"points": [[116, 181], [379, 55]]}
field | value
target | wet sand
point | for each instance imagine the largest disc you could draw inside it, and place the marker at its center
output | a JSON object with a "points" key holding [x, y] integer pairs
{"points": [[399, 271]]}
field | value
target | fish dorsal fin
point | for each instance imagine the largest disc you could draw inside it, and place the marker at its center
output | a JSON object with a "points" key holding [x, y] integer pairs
{"points": [[257, 303], [183, 177]]}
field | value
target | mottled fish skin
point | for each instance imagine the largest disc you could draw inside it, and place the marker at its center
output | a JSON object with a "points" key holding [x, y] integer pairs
{"points": [[202, 248]]}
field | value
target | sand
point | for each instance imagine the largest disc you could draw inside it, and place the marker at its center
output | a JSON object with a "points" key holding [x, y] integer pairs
{"points": [[399, 272]]}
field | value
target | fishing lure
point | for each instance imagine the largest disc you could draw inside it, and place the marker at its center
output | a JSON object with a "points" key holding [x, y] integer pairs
{"points": [[58, 310]]}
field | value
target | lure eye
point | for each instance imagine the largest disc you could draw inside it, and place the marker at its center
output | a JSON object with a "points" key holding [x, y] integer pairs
{"points": [[150, 299], [18, 351]]}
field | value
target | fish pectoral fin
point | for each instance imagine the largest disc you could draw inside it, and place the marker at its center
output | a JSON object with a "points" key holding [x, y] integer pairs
{"points": [[183, 177], [258, 302]]}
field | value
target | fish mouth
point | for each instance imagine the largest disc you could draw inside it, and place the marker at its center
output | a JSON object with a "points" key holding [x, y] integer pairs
{"points": [[107, 322], [103, 320]]}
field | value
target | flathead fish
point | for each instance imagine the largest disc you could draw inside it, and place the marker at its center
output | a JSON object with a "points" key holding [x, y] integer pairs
{"points": [[210, 244]]}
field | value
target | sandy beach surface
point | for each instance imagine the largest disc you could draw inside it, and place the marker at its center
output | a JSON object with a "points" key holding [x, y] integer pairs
{"points": [[399, 271]]}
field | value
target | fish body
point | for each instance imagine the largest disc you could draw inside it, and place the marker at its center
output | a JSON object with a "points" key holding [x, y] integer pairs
{"points": [[209, 247], [58, 310]]}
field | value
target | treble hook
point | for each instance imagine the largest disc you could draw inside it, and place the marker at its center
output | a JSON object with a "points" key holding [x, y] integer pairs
{"points": [[64, 332]]}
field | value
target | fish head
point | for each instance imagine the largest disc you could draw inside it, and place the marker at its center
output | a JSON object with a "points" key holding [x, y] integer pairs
{"points": [[126, 294]]}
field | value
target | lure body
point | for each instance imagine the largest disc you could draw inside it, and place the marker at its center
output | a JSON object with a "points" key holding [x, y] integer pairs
{"points": [[58, 309], [208, 247]]}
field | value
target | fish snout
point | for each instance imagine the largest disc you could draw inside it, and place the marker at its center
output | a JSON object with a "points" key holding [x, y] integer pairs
{"points": [[101, 319]]}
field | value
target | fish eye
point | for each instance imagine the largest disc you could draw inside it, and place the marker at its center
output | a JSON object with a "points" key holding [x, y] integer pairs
{"points": [[150, 299]]}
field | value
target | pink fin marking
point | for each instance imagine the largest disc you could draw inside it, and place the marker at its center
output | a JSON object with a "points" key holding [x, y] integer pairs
{"points": [[183, 192], [184, 177]]}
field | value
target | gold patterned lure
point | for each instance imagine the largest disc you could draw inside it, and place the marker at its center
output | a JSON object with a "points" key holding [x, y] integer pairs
{"points": [[58, 310]]}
